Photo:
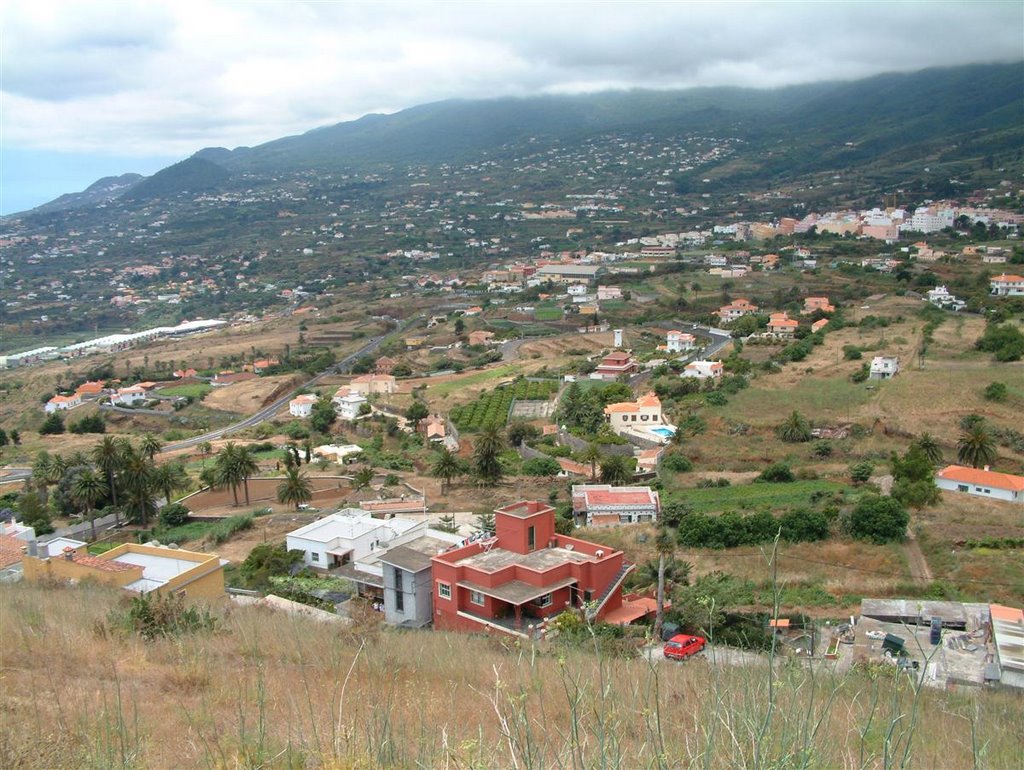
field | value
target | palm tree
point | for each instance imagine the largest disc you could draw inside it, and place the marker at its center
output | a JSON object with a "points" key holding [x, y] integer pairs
{"points": [[666, 545], [363, 478], [976, 447], [795, 429], [41, 474], [247, 467], [446, 467], [58, 467], [138, 476], [88, 487], [615, 470], [296, 488], [486, 453], [592, 454], [151, 445], [927, 444], [170, 477], [107, 455], [226, 469]]}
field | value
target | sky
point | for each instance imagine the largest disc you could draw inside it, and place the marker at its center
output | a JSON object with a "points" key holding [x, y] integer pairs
{"points": [[91, 88]]}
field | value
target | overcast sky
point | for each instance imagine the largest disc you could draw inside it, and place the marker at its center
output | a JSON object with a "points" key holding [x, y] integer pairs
{"points": [[93, 88]]}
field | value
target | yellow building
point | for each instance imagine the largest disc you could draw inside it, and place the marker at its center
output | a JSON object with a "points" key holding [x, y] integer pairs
{"points": [[136, 568]]}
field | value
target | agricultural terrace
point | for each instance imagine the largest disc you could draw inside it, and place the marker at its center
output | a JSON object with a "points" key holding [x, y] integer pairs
{"points": [[491, 409]]}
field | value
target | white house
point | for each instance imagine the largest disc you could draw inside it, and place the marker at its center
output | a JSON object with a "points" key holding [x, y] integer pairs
{"points": [[642, 418], [884, 367], [59, 403], [128, 396], [1008, 285], [981, 482], [347, 536], [677, 341], [704, 370], [302, 406], [577, 290], [941, 297], [608, 292], [347, 407]]}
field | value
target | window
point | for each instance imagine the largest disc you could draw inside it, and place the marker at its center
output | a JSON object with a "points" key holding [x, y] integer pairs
{"points": [[476, 597], [962, 488], [531, 538], [399, 599], [444, 590], [314, 556], [543, 601]]}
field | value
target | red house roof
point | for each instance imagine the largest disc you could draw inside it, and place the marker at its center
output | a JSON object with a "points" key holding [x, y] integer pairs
{"points": [[985, 478]]}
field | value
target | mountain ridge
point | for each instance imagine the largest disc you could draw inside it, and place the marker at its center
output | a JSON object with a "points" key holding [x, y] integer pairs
{"points": [[822, 123]]}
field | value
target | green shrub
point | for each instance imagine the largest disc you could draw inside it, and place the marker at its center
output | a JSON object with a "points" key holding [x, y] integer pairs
{"points": [[152, 616], [173, 515], [777, 473], [996, 391], [879, 520], [541, 466], [677, 463]]}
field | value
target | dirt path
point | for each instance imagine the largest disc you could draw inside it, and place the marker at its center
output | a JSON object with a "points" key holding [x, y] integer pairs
{"points": [[919, 569]]}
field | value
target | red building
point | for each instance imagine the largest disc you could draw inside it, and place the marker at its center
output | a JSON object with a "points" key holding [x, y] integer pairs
{"points": [[523, 575], [616, 363]]}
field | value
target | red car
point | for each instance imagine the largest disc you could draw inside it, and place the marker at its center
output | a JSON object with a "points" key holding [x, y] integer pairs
{"points": [[682, 646]]}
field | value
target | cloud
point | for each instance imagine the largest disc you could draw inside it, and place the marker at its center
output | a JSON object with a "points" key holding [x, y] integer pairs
{"points": [[171, 77]]}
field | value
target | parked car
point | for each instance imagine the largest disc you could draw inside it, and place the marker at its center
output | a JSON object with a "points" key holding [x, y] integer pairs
{"points": [[682, 646]]}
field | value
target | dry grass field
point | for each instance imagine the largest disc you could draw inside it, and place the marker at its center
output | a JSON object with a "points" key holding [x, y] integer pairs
{"points": [[267, 690]]}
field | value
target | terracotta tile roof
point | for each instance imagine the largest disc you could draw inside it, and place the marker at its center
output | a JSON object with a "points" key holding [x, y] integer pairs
{"points": [[618, 497], [571, 466], [622, 406], [10, 550], [982, 477], [1008, 279], [648, 399], [103, 565], [1008, 614]]}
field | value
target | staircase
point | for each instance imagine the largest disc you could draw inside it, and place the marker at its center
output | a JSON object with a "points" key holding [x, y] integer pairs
{"points": [[616, 581]]}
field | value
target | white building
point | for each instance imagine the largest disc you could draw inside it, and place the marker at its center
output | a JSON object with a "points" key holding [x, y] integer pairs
{"points": [[981, 482], [302, 406], [128, 396], [704, 370], [930, 219], [1008, 285], [348, 407], [349, 535], [678, 342], [59, 403], [884, 367]]}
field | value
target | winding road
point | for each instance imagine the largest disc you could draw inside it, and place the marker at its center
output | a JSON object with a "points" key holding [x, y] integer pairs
{"points": [[269, 411]]}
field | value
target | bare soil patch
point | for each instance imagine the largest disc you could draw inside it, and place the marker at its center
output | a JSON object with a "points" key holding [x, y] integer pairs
{"points": [[247, 397]]}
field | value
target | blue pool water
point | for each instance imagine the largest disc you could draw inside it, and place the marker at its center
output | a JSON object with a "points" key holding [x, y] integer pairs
{"points": [[664, 432]]}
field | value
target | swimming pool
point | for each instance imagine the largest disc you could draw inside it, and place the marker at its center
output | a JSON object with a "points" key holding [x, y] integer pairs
{"points": [[664, 432]]}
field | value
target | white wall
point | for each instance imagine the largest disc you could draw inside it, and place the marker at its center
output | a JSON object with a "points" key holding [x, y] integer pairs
{"points": [[993, 493]]}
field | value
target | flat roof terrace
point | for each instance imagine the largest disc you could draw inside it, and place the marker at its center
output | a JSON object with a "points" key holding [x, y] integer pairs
{"points": [[540, 560]]}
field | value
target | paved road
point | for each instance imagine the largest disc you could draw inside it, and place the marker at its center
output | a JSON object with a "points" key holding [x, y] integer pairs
{"points": [[269, 411], [15, 474]]}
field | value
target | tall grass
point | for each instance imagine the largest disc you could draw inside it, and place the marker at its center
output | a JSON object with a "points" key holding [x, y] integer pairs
{"points": [[268, 690]]}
